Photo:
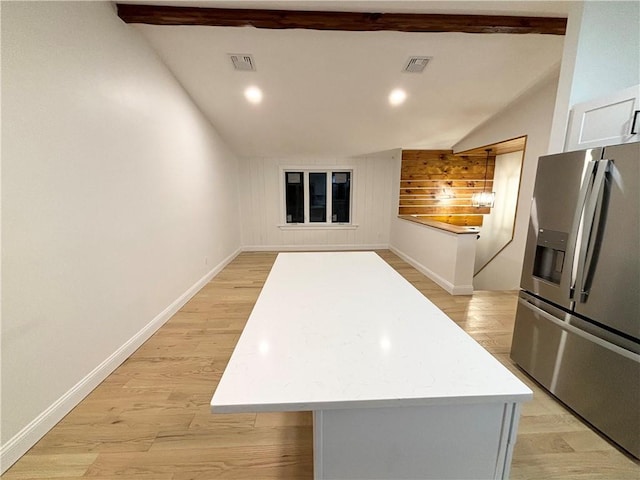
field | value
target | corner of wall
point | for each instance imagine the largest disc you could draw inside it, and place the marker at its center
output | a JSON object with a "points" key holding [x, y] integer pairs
{"points": [[560, 119]]}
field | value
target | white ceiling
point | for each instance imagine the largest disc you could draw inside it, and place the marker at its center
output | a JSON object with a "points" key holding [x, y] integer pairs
{"points": [[325, 93]]}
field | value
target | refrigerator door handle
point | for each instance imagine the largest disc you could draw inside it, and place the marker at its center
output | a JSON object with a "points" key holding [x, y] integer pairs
{"points": [[596, 211], [592, 220], [565, 325], [578, 227]]}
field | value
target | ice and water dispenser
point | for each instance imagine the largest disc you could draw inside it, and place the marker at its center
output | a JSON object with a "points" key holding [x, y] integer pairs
{"points": [[550, 253]]}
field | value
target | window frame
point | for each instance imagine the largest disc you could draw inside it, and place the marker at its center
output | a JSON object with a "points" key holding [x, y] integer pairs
{"points": [[328, 171]]}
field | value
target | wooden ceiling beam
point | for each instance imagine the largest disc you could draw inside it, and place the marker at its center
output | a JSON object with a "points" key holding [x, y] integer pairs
{"points": [[348, 21]]}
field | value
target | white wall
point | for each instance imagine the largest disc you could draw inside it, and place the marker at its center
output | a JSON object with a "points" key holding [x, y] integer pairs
{"points": [[529, 115], [608, 54], [260, 192], [600, 57], [497, 227], [119, 200], [444, 257]]}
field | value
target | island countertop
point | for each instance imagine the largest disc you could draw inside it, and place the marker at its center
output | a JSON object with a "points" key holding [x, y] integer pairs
{"points": [[339, 330], [447, 227]]}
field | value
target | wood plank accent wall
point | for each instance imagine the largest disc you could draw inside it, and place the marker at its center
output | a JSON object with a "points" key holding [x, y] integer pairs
{"points": [[437, 185]]}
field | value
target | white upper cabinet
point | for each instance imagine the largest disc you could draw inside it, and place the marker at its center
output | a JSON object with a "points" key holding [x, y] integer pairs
{"points": [[608, 120]]}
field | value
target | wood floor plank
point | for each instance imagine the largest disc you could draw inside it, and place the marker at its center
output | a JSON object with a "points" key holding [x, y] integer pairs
{"points": [[150, 419], [541, 443], [246, 462], [574, 465], [283, 419], [232, 436], [205, 420], [51, 466]]}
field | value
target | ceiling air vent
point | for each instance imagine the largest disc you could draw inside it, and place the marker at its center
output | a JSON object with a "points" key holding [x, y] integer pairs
{"points": [[243, 62], [416, 64]]}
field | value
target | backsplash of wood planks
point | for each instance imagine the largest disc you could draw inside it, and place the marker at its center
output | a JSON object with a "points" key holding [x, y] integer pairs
{"points": [[437, 185]]}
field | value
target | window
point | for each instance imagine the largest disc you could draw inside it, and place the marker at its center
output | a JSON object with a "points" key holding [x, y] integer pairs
{"points": [[309, 196], [317, 197], [295, 195], [340, 196]]}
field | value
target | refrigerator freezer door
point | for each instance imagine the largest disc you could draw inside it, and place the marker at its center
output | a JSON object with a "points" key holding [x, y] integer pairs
{"points": [[611, 293], [596, 379], [559, 197]]}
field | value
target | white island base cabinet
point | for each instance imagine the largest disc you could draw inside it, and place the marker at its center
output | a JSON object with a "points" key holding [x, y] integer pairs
{"points": [[423, 442]]}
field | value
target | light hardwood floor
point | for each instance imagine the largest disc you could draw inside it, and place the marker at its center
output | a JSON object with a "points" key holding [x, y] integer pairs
{"points": [[150, 419]]}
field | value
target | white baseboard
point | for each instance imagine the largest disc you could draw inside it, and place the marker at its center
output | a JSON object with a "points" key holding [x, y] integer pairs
{"points": [[311, 248], [462, 290], [20, 443], [447, 285]]}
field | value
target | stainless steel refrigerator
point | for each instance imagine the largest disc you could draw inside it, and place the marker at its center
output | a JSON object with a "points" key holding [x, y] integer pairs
{"points": [[577, 328]]}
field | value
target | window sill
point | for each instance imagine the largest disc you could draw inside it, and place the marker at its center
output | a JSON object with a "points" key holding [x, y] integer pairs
{"points": [[321, 226]]}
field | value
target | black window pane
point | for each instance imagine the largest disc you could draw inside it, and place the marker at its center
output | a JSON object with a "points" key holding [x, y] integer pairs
{"points": [[317, 197], [340, 197], [294, 197]]}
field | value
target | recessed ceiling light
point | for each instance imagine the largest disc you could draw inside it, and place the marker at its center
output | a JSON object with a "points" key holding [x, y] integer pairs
{"points": [[397, 96], [253, 94]]}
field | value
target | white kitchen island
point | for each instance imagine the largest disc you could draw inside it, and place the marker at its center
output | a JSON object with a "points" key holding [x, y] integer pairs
{"points": [[397, 389]]}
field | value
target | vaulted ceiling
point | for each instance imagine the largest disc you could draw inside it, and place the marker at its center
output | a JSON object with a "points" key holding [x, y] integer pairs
{"points": [[325, 93]]}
